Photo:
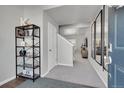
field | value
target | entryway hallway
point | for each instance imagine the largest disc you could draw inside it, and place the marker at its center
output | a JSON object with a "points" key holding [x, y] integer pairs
{"points": [[81, 73]]}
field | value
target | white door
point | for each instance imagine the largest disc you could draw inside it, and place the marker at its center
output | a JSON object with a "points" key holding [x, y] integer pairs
{"points": [[52, 32]]}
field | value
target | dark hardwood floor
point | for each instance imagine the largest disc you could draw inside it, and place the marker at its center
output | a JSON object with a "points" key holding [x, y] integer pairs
{"points": [[13, 83]]}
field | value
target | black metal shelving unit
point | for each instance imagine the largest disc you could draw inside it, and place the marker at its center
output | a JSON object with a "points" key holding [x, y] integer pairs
{"points": [[25, 68]]}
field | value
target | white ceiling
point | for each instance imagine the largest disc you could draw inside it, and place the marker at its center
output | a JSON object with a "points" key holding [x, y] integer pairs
{"points": [[73, 14], [46, 7]]}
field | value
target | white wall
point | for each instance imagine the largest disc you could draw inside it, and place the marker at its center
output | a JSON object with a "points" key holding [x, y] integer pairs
{"points": [[65, 52], [78, 38], [35, 14], [99, 69], [40, 18], [76, 35], [73, 33], [9, 18]]}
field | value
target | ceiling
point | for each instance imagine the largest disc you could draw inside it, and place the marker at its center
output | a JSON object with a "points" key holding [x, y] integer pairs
{"points": [[46, 7], [73, 14]]}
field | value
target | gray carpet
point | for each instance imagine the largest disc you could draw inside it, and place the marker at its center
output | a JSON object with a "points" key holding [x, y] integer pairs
{"points": [[49, 83], [82, 73]]}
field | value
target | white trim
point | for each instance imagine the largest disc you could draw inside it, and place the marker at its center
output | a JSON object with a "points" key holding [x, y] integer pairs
{"points": [[45, 74], [48, 71], [105, 83], [65, 64], [51, 68], [54, 66], [7, 80]]}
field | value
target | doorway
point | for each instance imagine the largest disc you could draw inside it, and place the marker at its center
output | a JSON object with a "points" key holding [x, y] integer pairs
{"points": [[52, 51]]}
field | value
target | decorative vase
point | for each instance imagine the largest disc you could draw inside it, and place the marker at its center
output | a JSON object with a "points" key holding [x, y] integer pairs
{"points": [[84, 53]]}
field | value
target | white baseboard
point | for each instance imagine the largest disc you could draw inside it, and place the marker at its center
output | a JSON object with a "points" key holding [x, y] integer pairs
{"points": [[65, 64], [48, 71], [98, 73], [44, 74], [7, 80]]}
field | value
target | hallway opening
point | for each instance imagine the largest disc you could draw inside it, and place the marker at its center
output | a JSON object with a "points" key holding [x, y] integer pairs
{"points": [[74, 27]]}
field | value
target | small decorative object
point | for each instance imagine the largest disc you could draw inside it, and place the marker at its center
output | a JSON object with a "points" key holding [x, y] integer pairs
{"points": [[86, 42], [24, 72], [22, 52], [84, 51], [21, 33], [30, 73], [30, 33], [27, 33], [27, 72], [24, 21], [27, 21]]}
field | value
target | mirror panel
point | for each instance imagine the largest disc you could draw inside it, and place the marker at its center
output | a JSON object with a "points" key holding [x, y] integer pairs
{"points": [[98, 50], [99, 39], [92, 41]]}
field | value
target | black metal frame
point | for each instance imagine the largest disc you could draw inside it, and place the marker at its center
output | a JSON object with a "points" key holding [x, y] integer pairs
{"points": [[95, 37], [28, 27], [103, 36]]}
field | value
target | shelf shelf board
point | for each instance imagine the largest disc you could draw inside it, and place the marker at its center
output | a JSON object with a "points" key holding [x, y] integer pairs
{"points": [[27, 46], [28, 76], [26, 36], [27, 27], [28, 56], [31, 32], [28, 66]]}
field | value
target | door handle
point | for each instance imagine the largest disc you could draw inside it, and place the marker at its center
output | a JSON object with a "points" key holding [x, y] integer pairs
{"points": [[110, 60]]}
